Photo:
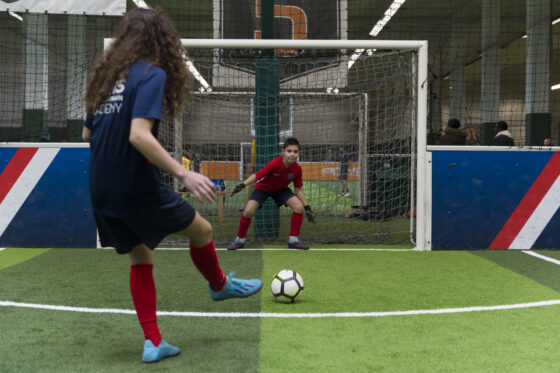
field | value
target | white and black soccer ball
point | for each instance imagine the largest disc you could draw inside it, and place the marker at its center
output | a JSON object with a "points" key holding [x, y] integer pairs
{"points": [[286, 286]]}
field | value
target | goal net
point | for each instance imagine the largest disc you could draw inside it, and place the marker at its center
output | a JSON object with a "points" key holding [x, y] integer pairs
{"points": [[349, 107]]}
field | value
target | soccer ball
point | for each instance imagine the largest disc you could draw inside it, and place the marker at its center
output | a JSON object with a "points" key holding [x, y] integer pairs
{"points": [[286, 286]]}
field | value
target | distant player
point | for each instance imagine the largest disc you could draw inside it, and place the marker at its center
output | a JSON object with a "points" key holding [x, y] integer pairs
{"points": [[273, 181], [133, 208], [343, 176]]}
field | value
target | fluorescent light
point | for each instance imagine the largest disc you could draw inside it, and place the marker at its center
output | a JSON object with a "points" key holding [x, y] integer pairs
{"points": [[389, 13], [205, 86], [140, 3], [197, 76], [16, 16], [555, 87]]}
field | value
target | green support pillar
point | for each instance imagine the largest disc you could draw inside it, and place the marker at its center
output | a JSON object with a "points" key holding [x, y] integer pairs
{"points": [[487, 133], [267, 86], [537, 128]]}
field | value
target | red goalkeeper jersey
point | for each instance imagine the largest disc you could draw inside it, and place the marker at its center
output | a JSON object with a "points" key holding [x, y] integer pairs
{"points": [[275, 176]]}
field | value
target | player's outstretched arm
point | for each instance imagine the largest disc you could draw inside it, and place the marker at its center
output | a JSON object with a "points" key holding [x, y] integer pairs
{"points": [[239, 187], [141, 138]]}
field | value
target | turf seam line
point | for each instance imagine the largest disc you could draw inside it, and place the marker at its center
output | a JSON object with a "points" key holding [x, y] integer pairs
{"points": [[543, 257], [288, 315]]}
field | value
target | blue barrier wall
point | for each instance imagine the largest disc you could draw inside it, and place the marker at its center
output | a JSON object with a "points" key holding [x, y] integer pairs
{"points": [[57, 210], [474, 194]]}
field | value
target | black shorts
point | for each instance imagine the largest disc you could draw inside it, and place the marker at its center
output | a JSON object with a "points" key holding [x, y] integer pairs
{"points": [[280, 197], [124, 233]]}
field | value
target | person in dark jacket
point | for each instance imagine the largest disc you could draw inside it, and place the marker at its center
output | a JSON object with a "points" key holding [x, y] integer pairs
{"points": [[452, 134], [503, 137]]}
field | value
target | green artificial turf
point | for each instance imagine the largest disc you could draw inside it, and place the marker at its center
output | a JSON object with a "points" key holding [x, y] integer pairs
{"points": [[68, 341], [53, 341], [358, 281], [390, 281], [502, 341], [517, 340], [11, 256]]}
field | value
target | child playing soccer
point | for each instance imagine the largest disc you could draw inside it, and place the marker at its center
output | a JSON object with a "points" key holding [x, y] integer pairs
{"points": [[133, 208], [272, 181], [343, 177]]}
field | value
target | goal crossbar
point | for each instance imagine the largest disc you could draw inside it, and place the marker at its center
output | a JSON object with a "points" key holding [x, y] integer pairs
{"points": [[423, 185], [300, 44]]}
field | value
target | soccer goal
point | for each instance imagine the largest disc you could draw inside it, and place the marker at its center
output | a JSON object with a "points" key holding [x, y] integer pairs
{"points": [[365, 99]]}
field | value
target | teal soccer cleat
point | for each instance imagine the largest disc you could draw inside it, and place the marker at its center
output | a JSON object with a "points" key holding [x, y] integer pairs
{"points": [[236, 288], [154, 354]]}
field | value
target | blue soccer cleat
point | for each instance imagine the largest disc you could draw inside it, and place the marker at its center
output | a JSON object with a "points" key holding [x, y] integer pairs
{"points": [[154, 354], [236, 288]]}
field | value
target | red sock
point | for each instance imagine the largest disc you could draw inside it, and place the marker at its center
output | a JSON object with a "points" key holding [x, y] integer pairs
{"points": [[295, 224], [143, 291], [243, 227], [206, 260]]}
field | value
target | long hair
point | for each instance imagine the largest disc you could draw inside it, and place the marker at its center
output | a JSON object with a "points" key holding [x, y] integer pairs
{"points": [[142, 34]]}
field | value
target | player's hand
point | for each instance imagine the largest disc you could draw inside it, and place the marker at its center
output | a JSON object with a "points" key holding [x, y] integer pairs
{"points": [[238, 188], [200, 186], [310, 214]]}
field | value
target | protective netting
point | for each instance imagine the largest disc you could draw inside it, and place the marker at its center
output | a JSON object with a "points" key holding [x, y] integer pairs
{"points": [[366, 113], [489, 60]]}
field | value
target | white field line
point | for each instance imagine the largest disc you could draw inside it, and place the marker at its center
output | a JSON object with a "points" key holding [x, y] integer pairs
{"points": [[543, 257], [287, 315], [271, 249], [2, 248]]}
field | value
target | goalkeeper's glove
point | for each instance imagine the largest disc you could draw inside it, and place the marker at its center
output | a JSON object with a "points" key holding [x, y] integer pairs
{"points": [[238, 188], [310, 215]]}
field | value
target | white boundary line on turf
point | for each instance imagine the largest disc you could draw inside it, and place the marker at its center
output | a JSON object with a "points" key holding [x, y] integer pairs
{"points": [[2, 248], [271, 249], [543, 257], [287, 315]]}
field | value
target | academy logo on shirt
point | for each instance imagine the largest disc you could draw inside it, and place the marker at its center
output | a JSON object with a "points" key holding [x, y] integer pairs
{"points": [[290, 176], [114, 103]]}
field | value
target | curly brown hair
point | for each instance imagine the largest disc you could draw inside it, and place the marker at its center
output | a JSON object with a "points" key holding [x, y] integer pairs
{"points": [[142, 34]]}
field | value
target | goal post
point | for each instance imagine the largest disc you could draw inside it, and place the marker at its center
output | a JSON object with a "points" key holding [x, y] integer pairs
{"points": [[365, 98]]}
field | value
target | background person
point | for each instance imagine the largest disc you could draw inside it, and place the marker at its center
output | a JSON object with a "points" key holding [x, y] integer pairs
{"points": [[343, 176], [453, 134], [503, 137]]}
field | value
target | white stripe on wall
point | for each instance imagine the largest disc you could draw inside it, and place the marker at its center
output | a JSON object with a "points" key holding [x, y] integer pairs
{"points": [[24, 185], [539, 219]]}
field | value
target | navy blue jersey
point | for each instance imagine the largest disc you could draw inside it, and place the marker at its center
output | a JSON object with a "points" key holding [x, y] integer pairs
{"points": [[122, 181]]}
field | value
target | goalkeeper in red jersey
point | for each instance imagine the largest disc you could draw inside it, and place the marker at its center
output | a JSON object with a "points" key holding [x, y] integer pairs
{"points": [[273, 181]]}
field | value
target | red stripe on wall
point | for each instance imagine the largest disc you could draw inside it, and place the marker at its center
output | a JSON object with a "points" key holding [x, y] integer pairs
{"points": [[13, 170], [528, 204]]}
